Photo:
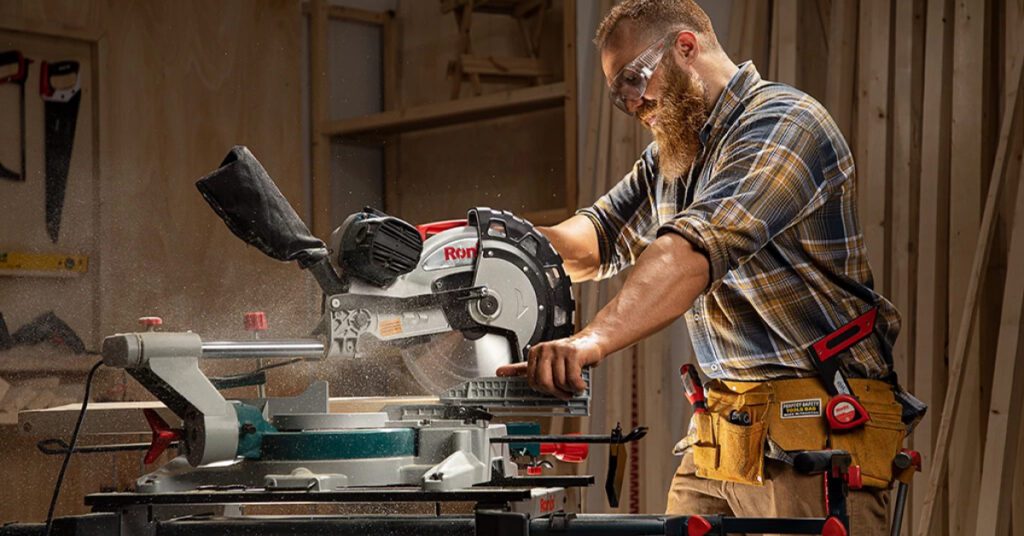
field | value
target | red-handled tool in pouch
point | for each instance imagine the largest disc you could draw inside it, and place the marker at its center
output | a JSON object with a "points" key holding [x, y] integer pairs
{"points": [[843, 411], [693, 388]]}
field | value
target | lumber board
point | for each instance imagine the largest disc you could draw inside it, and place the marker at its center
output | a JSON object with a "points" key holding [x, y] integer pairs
{"points": [[121, 418], [906, 153], [960, 354], [390, 49], [872, 138], [842, 61], [930, 313], [570, 111], [999, 461], [967, 153], [784, 31], [450, 112], [321, 144]]}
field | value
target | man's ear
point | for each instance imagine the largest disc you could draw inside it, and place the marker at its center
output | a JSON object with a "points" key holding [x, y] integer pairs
{"points": [[686, 47]]}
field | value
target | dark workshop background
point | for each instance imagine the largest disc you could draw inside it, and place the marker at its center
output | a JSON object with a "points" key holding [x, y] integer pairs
{"points": [[392, 103]]}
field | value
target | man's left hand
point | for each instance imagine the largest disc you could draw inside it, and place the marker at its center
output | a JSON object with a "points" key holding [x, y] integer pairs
{"points": [[556, 367]]}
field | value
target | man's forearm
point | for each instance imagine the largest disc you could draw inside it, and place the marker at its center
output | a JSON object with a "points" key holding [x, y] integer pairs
{"points": [[663, 285], [576, 241]]}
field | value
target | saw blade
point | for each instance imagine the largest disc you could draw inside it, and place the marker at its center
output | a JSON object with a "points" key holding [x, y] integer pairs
{"points": [[440, 362]]}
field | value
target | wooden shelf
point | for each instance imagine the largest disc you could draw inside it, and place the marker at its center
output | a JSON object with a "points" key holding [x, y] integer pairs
{"points": [[449, 113]]}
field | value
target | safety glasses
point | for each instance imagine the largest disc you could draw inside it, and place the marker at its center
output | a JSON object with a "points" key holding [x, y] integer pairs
{"points": [[630, 83]]}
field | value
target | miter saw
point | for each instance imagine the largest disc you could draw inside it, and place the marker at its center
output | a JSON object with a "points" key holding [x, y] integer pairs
{"points": [[458, 299]]}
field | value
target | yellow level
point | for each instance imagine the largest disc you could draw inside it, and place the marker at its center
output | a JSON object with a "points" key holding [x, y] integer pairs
{"points": [[42, 264]]}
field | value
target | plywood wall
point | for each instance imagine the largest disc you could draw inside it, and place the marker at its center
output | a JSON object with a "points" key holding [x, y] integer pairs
{"points": [[172, 86], [514, 163]]}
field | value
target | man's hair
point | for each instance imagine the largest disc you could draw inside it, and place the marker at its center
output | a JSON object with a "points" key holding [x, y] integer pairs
{"points": [[655, 18]]}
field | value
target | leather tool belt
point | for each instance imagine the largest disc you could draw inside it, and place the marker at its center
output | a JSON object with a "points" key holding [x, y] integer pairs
{"points": [[746, 421]]}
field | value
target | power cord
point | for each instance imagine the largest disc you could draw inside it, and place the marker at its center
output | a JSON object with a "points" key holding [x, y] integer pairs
{"points": [[71, 448]]}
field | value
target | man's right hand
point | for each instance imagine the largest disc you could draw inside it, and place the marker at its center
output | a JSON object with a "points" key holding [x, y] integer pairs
{"points": [[556, 367]]}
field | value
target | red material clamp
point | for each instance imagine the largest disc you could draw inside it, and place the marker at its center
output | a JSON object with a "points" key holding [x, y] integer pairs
{"points": [[833, 527], [163, 435], [566, 452], [697, 526], [256, 321]]}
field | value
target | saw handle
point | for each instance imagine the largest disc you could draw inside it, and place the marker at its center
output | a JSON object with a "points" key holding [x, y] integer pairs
{"points": [[47, 71], [12, 57]]}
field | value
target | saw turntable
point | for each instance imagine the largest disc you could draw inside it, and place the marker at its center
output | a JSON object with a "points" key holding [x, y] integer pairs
{"points": [[458, 299]]}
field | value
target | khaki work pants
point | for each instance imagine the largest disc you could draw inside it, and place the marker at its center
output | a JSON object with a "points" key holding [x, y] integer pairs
{"points": [[785, 493]]}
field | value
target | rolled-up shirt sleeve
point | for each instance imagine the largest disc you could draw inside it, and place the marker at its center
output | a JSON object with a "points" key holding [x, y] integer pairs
{"points": [[767, 178], [626, 217]]}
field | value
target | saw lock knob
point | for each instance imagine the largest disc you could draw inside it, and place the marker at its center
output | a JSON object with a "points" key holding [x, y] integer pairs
{"points": [[150, 322], [256, 321]]}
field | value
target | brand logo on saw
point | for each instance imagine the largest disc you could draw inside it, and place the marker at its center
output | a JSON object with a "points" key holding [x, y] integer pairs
{"points": [[454, 253]]}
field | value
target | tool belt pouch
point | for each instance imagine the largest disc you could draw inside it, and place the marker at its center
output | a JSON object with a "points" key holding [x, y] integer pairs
{"points": [[727, 450], [874, 445]]}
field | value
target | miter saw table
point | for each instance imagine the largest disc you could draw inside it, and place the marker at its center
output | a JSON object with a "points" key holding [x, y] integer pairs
{"points": [[458, 299]]}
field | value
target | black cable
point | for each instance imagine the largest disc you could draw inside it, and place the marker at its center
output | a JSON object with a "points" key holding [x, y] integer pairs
{"points": [[71, 449]]}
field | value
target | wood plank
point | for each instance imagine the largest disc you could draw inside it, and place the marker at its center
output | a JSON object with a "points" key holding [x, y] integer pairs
{"points": [[872, 138], [321, 145], [390, 50], [787, 14], [961, 355], [842, 60], [906, 153], [571, 114], [967, 189], [1004, 414], [351, 14], [447, 113], [932, 268], [503, 66]]}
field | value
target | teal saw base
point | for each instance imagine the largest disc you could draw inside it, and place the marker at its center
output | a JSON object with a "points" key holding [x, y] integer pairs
{"points": [[339, 444]]}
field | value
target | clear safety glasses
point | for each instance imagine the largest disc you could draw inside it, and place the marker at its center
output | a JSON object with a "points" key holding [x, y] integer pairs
{"points": [[631, 81]]}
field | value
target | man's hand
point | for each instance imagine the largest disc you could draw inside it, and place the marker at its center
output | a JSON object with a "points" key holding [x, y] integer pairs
{"points": [[556, 367]]}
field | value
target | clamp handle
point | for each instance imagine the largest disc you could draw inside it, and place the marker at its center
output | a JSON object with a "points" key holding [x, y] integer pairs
{"points": [[163, 435]]}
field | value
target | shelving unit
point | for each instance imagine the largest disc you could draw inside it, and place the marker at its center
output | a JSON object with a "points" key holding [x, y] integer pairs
{"points": [[396, 119]]}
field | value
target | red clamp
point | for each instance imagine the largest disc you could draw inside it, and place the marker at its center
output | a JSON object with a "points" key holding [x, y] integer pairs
{"points": [[566, 452], [697, 526], [833, 527], [430, 229], [163, 435]]}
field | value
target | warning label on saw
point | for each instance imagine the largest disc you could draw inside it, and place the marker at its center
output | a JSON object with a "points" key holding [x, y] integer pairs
{"points": [[391, 327], [796, 409]]}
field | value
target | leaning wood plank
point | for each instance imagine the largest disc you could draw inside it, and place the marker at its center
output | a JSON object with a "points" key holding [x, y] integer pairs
{"points": [[570, 112], [872, 139], [1004, 416], [930, 313], [979, 267], [842, 64]]}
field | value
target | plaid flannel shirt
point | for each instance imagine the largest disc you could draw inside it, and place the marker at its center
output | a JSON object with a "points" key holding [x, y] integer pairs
{"points": [[770, 201]]}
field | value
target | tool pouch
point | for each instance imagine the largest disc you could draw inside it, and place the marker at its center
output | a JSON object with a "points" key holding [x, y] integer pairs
{"points": [[726, 450], [874, 445], [242, 193]]}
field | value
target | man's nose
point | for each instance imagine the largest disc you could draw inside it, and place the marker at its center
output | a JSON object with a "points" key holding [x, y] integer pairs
{"points": [[634, 105]]}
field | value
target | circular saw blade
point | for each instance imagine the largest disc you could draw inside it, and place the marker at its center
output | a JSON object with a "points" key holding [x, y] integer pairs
{"points": [[446, 360]]}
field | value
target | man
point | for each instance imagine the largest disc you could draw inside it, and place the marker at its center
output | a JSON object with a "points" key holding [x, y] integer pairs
{"points": [[741, 215]]}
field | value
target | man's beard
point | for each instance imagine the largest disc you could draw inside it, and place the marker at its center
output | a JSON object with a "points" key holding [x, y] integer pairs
{"points": [[681, 112]]}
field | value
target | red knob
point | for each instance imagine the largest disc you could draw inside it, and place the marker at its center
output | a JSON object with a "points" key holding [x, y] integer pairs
{"points": [[533, 470], [256, 321], [566, 452], [833, 527], [150, 322]]}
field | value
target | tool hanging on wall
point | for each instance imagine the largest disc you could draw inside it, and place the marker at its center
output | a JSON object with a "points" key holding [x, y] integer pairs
{"points": [[61, 115], [14, 57]]}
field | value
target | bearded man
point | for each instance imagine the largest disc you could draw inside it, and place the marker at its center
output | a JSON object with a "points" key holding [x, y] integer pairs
{"points": [[741, 215]]}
